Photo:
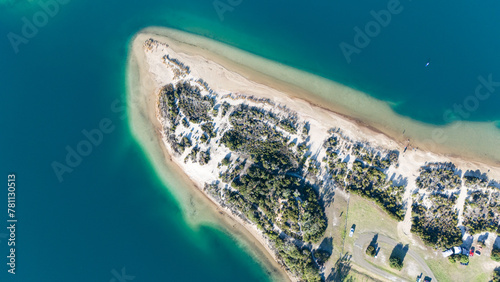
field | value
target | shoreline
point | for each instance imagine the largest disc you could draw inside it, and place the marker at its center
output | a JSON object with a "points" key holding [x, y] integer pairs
{"points": [[363, 110], [224, 80], [198, 208]]}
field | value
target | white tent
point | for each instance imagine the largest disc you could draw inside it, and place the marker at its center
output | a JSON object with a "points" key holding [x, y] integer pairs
{"points": [[448, 253], [457, 250]]}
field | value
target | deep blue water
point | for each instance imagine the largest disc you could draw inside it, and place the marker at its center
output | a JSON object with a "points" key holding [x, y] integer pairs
{"points": [[112, 211]]}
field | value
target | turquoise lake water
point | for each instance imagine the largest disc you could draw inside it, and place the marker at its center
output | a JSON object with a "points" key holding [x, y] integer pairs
{"points": [[112, 212]]}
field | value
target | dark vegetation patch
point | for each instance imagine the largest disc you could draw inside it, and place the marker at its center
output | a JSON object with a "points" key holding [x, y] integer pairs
{"points": [[482, 212], [437, 225], [438, 177]]}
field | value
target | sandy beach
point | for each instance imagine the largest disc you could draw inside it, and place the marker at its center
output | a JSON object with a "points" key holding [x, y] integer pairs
{"points": [[471, 140], [226, 76], [198, 208]]}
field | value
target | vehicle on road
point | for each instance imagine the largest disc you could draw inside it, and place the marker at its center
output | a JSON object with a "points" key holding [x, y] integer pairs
{"points": [[352, 231]]}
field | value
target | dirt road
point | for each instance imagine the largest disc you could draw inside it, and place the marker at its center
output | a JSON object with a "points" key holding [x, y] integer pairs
{"points": [[359, 257]]}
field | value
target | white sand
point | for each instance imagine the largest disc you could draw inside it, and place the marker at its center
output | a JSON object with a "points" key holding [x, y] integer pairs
{"points": [[223, 81], [225, 76], [476, 141], [197, 208]]}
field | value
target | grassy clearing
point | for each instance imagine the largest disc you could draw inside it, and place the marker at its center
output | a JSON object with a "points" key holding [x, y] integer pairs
{"points": [[364, 214], [479, 269], [411, 268], [387, 269], [358, 275], [335, 232], [368, 217], [382, 261]]}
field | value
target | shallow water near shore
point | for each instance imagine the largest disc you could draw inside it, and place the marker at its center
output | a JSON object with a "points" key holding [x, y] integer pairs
{"points": [[111, 212], [466, 139]]}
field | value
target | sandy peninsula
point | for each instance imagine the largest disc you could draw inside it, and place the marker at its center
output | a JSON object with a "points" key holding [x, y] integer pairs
{"points": [[198, 208], [148, 73]]}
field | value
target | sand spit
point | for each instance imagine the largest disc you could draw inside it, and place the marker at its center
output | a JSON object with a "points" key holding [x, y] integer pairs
{"points": [[226, 77], [197, 208], [472, 140]]}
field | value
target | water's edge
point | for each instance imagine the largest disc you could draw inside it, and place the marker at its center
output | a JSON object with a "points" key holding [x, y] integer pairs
{"points": [[197, 209], [470, 140]]}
